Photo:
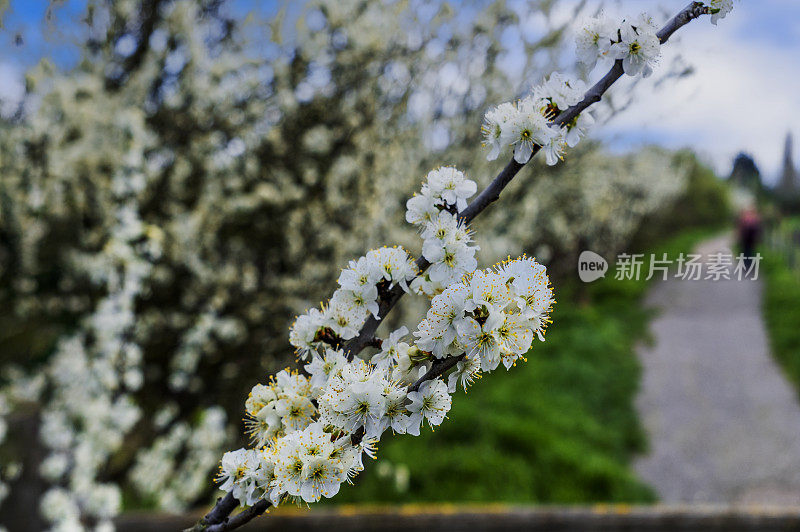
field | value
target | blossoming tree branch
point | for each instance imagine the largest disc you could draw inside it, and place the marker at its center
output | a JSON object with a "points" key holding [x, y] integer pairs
{"points": [[311, 428]]}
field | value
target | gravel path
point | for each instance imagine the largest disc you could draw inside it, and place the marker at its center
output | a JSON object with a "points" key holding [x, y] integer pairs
{"points": [[722, 421]]}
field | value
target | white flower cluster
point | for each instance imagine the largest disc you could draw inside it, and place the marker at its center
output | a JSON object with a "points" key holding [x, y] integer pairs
{"points": [[634, 42], [282, 406], [447, 246], [310, 432], [91, 407], [91, 379], [175, 483], [315, 451], [369, 397], [304, 452], [447, 243], [355, 300], [184, 364], [59, 506], [492, 317], [305, 465], [528, 122]]}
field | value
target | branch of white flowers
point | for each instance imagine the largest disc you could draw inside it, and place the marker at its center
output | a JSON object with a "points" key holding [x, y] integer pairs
{"points": [[492, 192], [217, 519]]}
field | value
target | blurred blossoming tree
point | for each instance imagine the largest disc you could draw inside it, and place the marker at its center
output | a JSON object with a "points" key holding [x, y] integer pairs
{"points": [[168, 205]]}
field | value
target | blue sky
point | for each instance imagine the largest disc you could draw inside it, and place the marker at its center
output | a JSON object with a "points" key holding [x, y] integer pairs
{"points": [[744, 95]]}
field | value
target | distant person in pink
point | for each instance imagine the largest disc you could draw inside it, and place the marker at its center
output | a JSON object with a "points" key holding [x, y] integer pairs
{"points": [[749, 233]]}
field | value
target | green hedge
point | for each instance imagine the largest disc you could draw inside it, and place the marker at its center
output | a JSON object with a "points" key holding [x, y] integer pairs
{"points": [[781, 307]]}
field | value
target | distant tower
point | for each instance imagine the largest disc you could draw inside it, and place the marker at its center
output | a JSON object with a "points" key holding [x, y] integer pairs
{"points": [[788, 183]]}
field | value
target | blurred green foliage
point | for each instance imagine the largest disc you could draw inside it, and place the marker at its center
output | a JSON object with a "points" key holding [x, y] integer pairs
{"points": [[781, 306]]}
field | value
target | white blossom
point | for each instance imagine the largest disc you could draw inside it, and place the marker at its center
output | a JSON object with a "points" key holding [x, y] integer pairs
{"points": [[344, 318], [59, 506], [304, 330], [554, 148], [403, 370], [594, 39], [430, 403], [578, 128], [443, 228], [421, 208], [438, 332], [719, 9], [561, 91], [396, 416], [481, 339], [391, 348], [307, 465], [355, 399], [495, 122], [639, 47], [515, 337], [260, 397], [392, 264], [467, 370], [237, 473], [324, 366], [488, 289], [527, 128], [54, 466], [362, 300], [450, 187], [359, 276]]}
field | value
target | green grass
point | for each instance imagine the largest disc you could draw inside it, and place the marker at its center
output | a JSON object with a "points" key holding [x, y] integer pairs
{"points": [[560, 428], [781, 308]]}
